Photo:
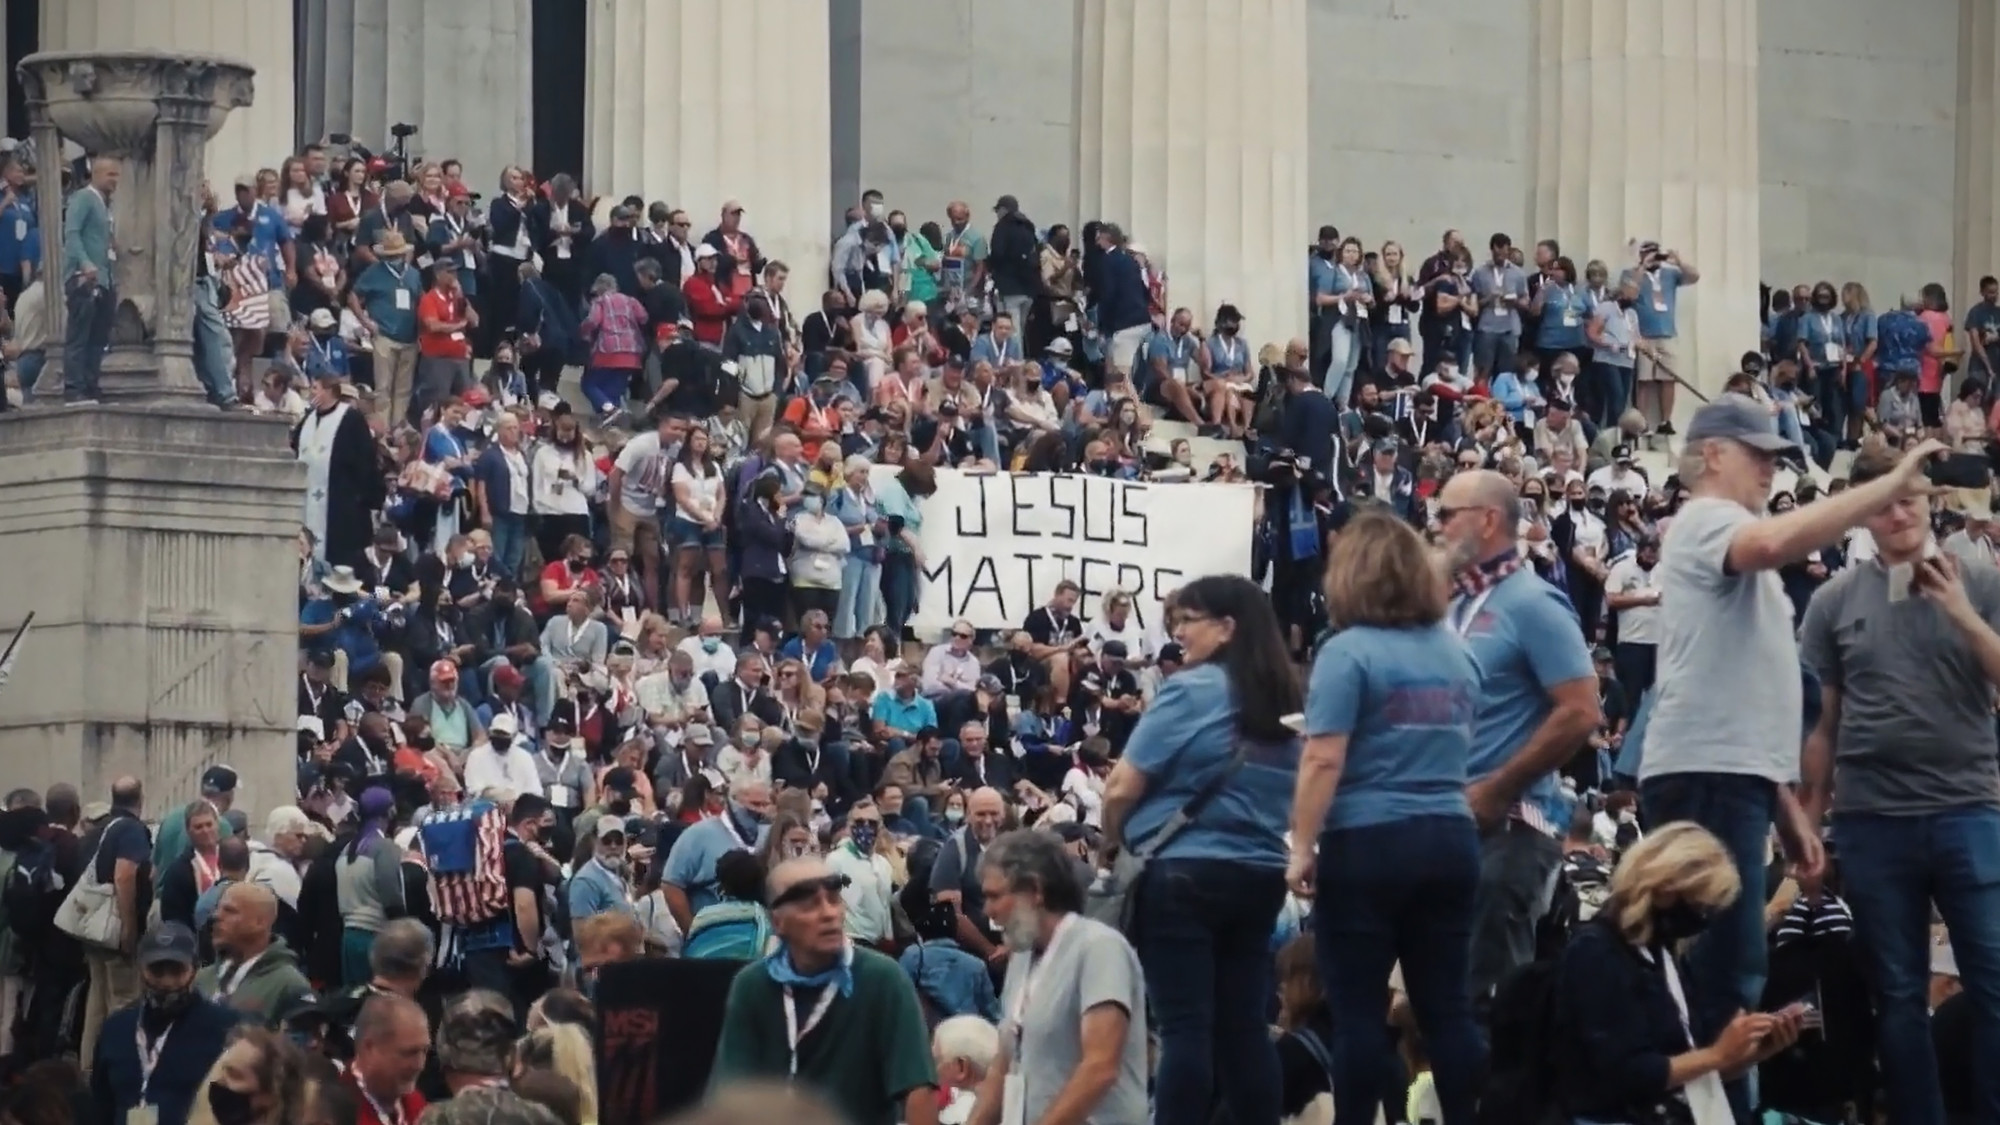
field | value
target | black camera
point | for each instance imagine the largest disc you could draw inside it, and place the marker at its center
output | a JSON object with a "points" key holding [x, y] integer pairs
{"points": [[339, 139], [402, 129]]}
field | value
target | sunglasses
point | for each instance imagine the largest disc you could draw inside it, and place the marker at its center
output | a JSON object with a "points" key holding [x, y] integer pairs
{"points": [[962, 636], [809, 890]]}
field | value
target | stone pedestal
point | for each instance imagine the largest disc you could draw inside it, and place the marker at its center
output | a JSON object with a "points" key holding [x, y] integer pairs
{"points": [[1191, 135], [259, 32], [1647, 129], [154, 113], [157, 549], [1976, 216], [698, 102], [460, 70]]}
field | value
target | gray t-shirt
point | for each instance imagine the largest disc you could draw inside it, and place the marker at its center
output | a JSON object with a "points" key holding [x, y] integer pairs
{"points": [[1490, 282], [1916, 716], [1088, 964], [1728, 693]]}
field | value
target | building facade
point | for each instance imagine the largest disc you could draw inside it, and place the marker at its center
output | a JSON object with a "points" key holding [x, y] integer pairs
{"points": [[1767, 140]]}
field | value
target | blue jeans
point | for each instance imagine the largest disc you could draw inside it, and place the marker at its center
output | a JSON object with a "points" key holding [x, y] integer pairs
{"points": [[1729, 961], [1517, 869], [1369, 914], [899, 590], [860, 597], [1894, 868], [214, 351], [510, 540], [86, 336], [1204, 941], [606, 387], [28, 370], [1344, 358], [985, 442], [1832, 399], [1615, 391]]}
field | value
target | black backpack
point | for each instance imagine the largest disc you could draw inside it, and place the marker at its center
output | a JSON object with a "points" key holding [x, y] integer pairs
{"points": [[1521, 1073], [32, 893]]}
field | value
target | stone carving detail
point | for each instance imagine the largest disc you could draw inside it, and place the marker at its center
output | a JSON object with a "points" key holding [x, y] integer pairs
{"points": [[155, 112]]}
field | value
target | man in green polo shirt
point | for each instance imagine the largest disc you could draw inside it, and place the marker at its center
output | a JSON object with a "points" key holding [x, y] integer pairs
{"points": [[837, 1017]]}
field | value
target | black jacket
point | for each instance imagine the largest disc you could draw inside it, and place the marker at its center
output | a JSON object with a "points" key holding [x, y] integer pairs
{"points": [[1012, 257], [1616, 1027], [517, 628], [726, 704]]}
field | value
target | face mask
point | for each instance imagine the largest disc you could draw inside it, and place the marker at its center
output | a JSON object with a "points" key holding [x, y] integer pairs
{"points": [[169, 1001], [811, 504], [953, 816], [798, 851], [575, 566], [231, 1107], [501, 743], [1679, 922], [464, 561], [863, 836], [710, 644]]}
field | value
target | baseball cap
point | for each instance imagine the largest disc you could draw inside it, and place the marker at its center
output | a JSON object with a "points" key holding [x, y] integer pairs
{"points": [[1116, 650], [218, 779], [1622, 454], [444, 670], [1738, 418], [1173, 653], [704, 251], [699, 735], [167, 942], [1400, 346], [504, 723], [508, 676], [608, 826]]}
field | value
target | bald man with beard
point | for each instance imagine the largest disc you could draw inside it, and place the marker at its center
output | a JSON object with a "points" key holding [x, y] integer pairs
{"points": [[257, 974]]}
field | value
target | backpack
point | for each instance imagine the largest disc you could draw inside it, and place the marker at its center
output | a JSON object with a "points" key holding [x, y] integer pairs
{"points": [[31, 891], [1521, 1075], [464, 851]]}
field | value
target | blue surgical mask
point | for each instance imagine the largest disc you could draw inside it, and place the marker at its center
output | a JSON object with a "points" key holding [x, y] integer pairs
{"points": [[710, 644], [953, 816], [811, 504]]}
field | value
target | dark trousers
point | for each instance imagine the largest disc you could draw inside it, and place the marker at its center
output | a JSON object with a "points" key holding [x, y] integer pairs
{"points": [[488, 969], [1371, 912], [1635, 664], [762, 598], [1517, 868], [1204, 942], [86, 334], [1729, 961]]}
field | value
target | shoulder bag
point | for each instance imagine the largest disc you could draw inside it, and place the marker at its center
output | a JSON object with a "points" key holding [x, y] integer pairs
{"points": [[90, 912], [1111, 899]]}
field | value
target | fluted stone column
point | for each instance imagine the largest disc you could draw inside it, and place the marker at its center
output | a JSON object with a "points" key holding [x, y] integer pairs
{"points": [[1976, 214], [699, 102], [258, 32], [1647, 129], [462, 71], [1191, 135]]}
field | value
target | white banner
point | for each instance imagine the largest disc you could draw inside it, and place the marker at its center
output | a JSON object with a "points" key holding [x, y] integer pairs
{"points": [[996, 544]]}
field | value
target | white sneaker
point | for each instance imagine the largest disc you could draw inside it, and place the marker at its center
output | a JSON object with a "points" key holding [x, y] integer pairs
{"points": [[80, 402]]}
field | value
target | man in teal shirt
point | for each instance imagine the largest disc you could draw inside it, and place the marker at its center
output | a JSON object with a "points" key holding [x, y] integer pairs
{"points": [[89, 288]]}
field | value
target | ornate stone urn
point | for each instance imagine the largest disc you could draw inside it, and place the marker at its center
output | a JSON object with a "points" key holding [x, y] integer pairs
{"points": [[154, 112]]}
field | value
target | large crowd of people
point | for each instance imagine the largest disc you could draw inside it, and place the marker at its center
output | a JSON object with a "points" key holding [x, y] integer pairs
{"points": [[1510, 784]]}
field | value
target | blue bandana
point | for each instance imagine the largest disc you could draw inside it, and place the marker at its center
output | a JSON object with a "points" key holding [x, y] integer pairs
{"points": [[841, 976]]}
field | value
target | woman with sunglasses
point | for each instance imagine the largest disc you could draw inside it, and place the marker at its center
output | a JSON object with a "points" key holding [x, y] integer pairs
{"points": [[1212, 746]]}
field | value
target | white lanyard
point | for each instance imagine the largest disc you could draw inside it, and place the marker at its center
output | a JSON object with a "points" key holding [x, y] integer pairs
{"points": [[313, 697], [1352, 278], [149, 1057], [794, 1034], [391, 1114], [1467, 610], [325, 351], [1499, 282], [226, 985]]}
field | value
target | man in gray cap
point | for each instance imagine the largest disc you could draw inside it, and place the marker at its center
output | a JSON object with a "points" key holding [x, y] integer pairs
{"points": [[157, 1053], [1722, 742]]}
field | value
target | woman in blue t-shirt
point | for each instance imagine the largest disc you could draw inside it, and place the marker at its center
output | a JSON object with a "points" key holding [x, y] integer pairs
{"points": [[1214, 747], [1381, 791]]}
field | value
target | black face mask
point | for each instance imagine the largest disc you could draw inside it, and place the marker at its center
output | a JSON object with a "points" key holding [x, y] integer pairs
{"points": [[575, 565], [1624, 302], [169, 1001], [899, 231], [1679, 922], [231, 1107], [500, 742]]}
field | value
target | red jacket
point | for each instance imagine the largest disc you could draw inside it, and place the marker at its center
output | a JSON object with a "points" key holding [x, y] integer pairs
{"points": [[710, 307]]}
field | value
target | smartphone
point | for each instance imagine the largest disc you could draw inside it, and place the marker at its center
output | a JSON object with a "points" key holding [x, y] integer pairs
{"points": [[1960, 470]]}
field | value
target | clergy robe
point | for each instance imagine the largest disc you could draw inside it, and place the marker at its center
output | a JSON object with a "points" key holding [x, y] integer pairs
{"points": [[344, 484]]}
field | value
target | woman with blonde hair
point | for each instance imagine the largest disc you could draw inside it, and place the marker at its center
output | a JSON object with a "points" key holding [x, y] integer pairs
{"points": [[1388, 726], [1626, 1048], [562, 1048], [874, 335], [259, 1079], [1397, 300]]}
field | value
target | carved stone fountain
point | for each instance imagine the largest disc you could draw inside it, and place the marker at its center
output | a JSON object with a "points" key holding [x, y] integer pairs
{"points": [[160, 531], [154, 112]]}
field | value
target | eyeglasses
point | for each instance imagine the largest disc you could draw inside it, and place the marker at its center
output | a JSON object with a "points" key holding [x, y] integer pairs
{"points": [[962, 636], [809, 890]]}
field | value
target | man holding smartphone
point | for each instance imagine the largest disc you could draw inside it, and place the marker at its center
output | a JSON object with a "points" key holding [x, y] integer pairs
{"points": [[1908, 657]]}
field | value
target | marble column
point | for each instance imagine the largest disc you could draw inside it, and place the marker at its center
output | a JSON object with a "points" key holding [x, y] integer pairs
{"points": [[460, 70], [703, 101], [1646, 128], [257, 32], [1976, 214], [1191, 135]]}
